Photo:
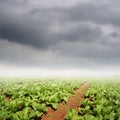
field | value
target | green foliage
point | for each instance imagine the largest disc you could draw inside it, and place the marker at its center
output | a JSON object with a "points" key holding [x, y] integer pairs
{"points": [[29, 100], [72, 115], [102, 102]]}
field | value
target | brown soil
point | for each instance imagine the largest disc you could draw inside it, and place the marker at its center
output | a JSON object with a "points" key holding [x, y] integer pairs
{"points": [[8, 99], [73, 102]]}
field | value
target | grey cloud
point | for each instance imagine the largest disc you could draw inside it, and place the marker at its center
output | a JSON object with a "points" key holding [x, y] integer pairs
{"points": [[83, 33], [24, 31], [98, 13], [95, 52], [64, 56], [20, 55], [28, 29], [67, 36], [15, 2], [114, 34]]}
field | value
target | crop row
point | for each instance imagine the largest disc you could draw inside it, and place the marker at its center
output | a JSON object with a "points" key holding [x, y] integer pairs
{"points": [[102, 102], [29, 100]]}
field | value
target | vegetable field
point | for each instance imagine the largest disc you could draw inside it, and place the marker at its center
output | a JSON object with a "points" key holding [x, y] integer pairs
{"points": [[48, 99], [101, 102]]}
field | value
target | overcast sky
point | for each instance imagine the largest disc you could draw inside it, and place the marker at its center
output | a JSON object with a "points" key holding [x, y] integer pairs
{"points": [[60, 35]]}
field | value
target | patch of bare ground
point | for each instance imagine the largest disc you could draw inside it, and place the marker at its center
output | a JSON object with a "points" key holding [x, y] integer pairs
{"points": [[73, 102]]}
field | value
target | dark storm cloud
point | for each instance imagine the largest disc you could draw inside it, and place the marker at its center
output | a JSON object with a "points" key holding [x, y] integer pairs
{"points": [[33, 27], [26, 30], [19, 28], [66, 35]]}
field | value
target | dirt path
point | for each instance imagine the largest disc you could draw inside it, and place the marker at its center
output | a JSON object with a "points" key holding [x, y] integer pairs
{"points": [[73, 102]]}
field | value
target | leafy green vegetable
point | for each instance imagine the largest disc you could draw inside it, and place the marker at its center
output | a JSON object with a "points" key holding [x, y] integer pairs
{"points": [[29, 100]]}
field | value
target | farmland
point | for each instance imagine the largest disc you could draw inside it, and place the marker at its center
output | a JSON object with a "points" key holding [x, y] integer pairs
{"points": [[71, 99], [102, 102]]}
